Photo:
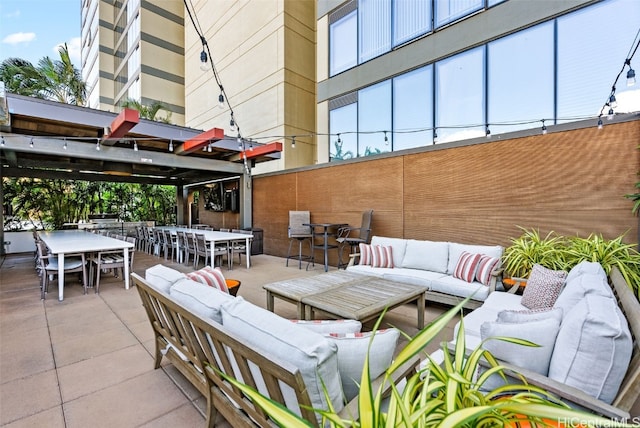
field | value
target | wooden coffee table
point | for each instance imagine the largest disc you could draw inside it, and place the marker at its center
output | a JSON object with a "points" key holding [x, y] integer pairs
{"points": [[346, 295]]}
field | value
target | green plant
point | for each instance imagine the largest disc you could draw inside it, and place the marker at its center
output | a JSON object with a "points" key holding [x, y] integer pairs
{"points": [[608, 253], [446, 395], [530, 248], [563, 253]]}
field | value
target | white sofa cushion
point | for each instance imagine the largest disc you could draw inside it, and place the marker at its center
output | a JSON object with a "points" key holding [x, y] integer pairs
{"points": [[352, 351], [583, 267], [369, 270], [528, 316], [398, 246], [312, 353], [472, 323], [580, 286], [162, 277], [503, 301], [413, 276], [199, 298], [460, 288], [426, 255], [455, 250], [593, 348], [330, 326], [542, 332]]}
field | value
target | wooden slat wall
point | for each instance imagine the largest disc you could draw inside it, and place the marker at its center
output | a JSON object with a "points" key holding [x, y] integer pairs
{"points": [[570, 182]]}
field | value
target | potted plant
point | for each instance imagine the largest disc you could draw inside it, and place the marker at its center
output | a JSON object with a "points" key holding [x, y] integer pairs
{"points": [[442, 395]]}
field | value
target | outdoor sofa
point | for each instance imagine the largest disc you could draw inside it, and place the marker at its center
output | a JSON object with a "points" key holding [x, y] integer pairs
{"points": [[438, 266], [589, 354], [204, 331]]}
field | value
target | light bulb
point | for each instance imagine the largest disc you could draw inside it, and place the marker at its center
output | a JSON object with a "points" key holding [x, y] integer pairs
{"points": [[487, 132], [171, 145], [31, 143], [239, 141], [612, 101], [600, 124], [2, 141], [221, 100], [250, 145], [98, 145], [610, 114], [386, 140], [232, 125], [135, 146], [631, 77], [339, 140], [64, 146], [293, 142], [435, 135], [203, 61]]}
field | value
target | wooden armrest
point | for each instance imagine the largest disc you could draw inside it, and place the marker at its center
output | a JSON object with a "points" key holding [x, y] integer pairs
{"points": [[351, 411], [352, 259], [566, 393]]}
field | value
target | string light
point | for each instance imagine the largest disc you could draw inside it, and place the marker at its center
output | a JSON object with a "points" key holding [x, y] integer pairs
{"points": [[239, 141], [31, 143], [544, 128], [435, 135], [64, 146], [631, 75], [487, 132], [612, 99], [2, 141], [631, 80], [203, 55], [339, 140], [232, 124], [135, 146], [610, 114], [293, 142], [600, 124], [221, 99], [386, 140], [250, 145], [98, 145], [171, 145]]}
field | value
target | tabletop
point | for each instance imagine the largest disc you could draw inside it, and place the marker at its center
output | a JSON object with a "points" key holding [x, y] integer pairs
{"points": [[80, 241]]}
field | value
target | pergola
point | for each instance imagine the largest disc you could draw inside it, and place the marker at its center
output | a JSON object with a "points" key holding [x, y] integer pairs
{"points": [[46, 139]]}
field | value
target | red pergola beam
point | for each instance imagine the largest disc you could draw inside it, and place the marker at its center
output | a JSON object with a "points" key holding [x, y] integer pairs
{"points": [[267, 149], [201, 140], [127, 119]]}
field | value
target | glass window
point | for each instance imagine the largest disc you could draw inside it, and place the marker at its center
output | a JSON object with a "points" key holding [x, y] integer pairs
{"points": [[589, 60], [521, 79], [343, 39], [413, 109], [411, 18], [375, 28], [460, 96], [374, 117], [450, 10], [343, 121]]}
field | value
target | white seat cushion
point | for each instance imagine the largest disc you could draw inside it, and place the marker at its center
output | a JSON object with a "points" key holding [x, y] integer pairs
{"points": [[460, 288], [504, 301], [313, 354], [423, 278], [368, 270]]}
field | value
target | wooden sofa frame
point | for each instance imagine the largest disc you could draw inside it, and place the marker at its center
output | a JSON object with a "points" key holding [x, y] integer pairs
{"points": [[206, 347], [630, 387]]}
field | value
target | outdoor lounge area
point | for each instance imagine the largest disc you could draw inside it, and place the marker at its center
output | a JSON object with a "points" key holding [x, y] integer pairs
{"points": [[88, 360]]}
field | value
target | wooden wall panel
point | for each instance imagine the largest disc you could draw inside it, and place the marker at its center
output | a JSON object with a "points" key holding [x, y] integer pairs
{"points": [[570, 182], [273, 197]]}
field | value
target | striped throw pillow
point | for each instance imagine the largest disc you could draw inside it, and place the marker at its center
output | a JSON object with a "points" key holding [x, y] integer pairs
{"points": [[466, 266], [486, 265], [366, 254], [210, 277], [382, 257]]}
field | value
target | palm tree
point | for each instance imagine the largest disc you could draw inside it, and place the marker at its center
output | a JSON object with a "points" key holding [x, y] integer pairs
{"points": [[148, 111], [53, 80]]}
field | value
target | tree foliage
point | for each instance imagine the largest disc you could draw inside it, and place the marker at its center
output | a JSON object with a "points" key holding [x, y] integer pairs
{"points": [[148, 111], [52, 203], [56, 80]]}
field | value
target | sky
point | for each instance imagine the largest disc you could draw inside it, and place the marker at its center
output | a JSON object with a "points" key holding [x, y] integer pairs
{"points": [[33, 29]]}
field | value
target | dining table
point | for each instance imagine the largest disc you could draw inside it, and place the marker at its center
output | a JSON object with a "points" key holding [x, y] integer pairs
{"points": [[215, 236], [325, 230], [61, 242]]}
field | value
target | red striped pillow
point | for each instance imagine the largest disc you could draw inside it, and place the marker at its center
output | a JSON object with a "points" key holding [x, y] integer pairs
{"points": [[466, 266], [486, 265], [210, 277], [382, 257], [366, 256]]}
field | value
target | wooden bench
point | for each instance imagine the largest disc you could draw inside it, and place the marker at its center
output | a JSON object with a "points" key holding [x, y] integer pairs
{"points": [[197, 347]]}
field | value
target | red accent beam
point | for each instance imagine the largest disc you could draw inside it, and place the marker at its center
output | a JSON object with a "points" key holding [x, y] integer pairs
{"points": [[267, 149], [201, 140], [127, 119]]}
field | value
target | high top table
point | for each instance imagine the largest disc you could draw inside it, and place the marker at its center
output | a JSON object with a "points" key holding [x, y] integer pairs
{"points": [[325, 230], [213, 236], [61, 242]]}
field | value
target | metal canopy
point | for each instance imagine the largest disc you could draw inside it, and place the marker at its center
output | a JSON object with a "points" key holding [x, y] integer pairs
{"points": [[47, 139]]}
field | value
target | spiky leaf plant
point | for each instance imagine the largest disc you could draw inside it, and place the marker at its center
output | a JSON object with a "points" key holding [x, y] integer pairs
{"points": [[442, 395], [530, 248]]}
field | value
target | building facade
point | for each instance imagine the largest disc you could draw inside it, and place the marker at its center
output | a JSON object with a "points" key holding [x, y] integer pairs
{"points": [[396, 74], [134, 50]]}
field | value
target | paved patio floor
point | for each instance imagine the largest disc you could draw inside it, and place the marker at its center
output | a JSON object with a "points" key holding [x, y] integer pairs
{"points": [[87, 361]]}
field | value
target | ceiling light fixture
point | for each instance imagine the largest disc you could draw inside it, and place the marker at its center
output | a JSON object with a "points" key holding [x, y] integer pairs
{"points": [[171, 145]]}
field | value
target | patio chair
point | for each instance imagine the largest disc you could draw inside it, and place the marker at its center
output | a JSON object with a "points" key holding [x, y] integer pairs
{"points": [[171, 245], [181, 237], [190, 247], [297, 231], [203, 248], [354, 236], [112, 260], [238, 247], [49, 267]]}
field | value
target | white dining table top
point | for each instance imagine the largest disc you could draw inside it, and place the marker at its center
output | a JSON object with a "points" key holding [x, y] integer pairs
{"points": [[210, 235], [80, 241]]}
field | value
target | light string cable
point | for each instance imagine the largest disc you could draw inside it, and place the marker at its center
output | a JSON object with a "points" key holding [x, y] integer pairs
{"points": [[223, 98], [611, 99]]}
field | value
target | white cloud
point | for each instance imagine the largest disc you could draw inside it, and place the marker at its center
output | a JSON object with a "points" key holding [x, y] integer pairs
{"points": [[73, 45], [17, 38]]}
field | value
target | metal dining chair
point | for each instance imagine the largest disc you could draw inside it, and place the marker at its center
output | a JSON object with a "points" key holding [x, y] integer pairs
{"points": [[238, 246], [48, 267], [297, 231], [354, 236]]}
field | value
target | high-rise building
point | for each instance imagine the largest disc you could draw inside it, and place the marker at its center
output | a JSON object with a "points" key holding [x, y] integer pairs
{"points": [[400, 74], [134, 50]]}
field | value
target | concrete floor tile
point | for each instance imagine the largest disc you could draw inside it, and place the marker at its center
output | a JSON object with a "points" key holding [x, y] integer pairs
{"points": [[52, 418], [183, 416], [23, 354], [134, 402], [83, 378], [28, 396]]}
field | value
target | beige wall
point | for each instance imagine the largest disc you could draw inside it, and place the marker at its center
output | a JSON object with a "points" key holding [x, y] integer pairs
{"points": [[571, 182], [264, 53]]}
